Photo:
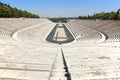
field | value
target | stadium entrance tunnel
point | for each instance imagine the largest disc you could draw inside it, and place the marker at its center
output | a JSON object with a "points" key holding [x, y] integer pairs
{"points": [[60, 34]]}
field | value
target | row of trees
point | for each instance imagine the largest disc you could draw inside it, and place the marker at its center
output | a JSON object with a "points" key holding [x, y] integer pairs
{"points": [[6, 11], [106, 16], [63, 20]]}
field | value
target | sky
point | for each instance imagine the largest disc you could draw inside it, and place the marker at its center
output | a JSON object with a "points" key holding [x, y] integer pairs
{"points": [[65, 8]]}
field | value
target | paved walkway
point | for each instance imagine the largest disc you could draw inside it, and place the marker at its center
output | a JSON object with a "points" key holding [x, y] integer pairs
{"points": [[60, 34]]}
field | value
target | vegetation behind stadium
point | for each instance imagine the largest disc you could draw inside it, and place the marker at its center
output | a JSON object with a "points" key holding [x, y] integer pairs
{"points": [[6, 11]]}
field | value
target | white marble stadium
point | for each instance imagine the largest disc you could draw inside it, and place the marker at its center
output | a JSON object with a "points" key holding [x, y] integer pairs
{"points": [[26, 55]]}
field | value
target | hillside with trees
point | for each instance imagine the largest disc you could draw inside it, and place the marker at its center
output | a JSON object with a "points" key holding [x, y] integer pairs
{"points": [[105, 16], [6, 11]]}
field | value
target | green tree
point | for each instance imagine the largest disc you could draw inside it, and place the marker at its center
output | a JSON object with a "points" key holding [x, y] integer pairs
{"points": [[6, 11]]}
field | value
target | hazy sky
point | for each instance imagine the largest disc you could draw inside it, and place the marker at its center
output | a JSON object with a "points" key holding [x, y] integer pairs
{"points": [[64, 8]]}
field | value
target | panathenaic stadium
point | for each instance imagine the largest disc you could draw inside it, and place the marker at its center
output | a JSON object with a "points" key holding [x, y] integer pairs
{"points": [[38, 49]]}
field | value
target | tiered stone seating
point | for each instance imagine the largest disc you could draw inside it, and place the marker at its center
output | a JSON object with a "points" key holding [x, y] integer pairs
{"points": [[36, 34], [99, 61], [24, 56], [107, 27], [84, 33], [9, 26]]}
